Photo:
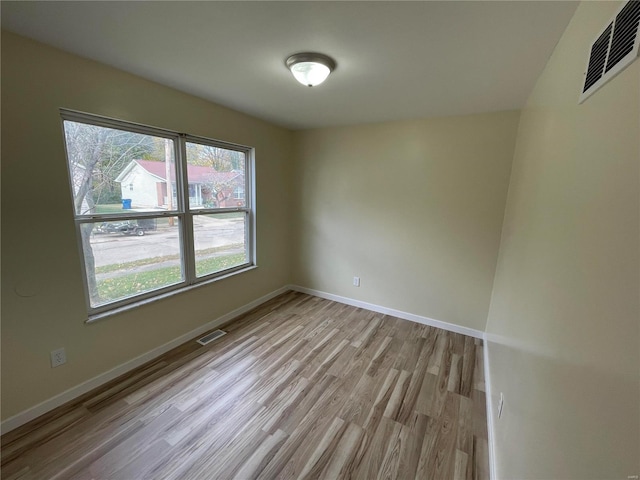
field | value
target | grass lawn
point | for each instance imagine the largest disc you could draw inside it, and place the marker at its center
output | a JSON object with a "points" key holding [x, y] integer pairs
{"points": [[114, 267], [110, 208], [134, 283]]}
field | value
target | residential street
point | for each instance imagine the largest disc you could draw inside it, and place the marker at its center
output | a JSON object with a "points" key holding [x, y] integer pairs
{"points": [[112, 248]]}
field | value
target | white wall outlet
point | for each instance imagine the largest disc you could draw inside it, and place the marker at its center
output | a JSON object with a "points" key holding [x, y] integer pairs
{"points": [[356, 281], [500, 405], [58, 357]]}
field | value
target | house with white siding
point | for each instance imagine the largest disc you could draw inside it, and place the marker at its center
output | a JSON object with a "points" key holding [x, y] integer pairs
{"points": [[144, 182]]}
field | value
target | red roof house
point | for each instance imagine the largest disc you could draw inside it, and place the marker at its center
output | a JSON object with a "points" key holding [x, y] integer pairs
{"points": [[144, 182]]}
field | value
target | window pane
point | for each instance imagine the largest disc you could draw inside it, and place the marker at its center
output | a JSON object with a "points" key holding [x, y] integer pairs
{"points": [[115, 171], [220, 241], [216, 176], [124, 259]]}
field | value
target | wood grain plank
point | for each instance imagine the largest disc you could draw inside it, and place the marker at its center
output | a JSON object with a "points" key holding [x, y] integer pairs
{"points": [[412, 438], [300, 387], [437, 459], [468, 365], [386, 433], [337, 465], [261, 457]]}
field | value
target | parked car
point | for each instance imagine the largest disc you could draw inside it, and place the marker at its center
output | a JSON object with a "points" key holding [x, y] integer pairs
{"points": [[129, 227]]}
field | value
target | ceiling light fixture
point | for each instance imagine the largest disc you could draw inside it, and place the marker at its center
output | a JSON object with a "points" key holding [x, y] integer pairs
{"points": [[309, 68]]}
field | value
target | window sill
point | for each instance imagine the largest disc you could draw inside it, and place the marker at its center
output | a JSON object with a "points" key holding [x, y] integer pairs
{"points": [[125, 308]]}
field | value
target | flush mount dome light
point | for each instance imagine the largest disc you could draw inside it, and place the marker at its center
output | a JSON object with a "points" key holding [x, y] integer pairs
{"points": [[309, 68]]}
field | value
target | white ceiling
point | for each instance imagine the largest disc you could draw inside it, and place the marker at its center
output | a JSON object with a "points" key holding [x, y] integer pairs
{"points": [[396, 60]]}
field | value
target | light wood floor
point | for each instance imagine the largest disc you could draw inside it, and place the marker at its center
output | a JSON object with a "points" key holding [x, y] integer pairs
{"points": [[300, 387]]}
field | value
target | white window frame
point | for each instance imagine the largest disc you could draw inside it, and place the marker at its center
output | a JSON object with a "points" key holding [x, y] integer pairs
{"points": [[238, 193], [182, 211]]}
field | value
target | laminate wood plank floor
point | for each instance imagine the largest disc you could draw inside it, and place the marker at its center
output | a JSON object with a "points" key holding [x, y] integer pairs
{"points": [[300, 387]]}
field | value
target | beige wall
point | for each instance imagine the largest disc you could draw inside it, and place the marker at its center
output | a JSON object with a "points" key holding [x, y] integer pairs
{"points": [[413, 208], [564, 323], [39, 247]]}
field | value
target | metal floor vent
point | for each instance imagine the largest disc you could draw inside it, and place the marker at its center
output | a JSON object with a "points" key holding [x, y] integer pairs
{"points": [[211, 337]]}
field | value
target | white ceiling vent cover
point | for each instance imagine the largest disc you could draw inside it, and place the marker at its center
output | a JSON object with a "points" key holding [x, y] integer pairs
{"points": [[614, 48], [210, 337]]}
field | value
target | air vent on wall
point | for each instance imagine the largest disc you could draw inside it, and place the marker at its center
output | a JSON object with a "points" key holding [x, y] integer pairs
{"points": [[614, 49]]}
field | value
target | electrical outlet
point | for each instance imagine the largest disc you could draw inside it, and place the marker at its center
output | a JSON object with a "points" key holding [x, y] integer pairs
{"points": [[356, 281], [58, 357], [500, 405]]}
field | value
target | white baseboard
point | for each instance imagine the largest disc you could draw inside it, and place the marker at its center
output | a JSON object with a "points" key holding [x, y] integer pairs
{"points": [[390, 311], [74, 392], [489, 399]]}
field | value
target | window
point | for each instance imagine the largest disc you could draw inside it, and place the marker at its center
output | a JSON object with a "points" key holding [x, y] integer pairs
{"points": [[155, 211], [238, 193]]}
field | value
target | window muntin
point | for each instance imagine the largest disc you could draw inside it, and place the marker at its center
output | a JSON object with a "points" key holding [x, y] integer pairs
{"points": [[144, 226]]}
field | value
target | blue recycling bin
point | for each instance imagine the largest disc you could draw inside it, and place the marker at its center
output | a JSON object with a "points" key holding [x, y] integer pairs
{"points": [[126, 203]]}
